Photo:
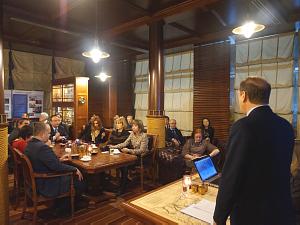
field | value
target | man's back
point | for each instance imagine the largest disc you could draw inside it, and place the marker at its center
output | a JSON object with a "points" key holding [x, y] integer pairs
{"points": [[257, 170]]}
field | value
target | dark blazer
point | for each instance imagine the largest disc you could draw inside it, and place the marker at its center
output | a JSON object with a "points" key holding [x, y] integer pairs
{"points": [[208, 133], [118, 137], [44, 160], [255, 183], [99, 139], [178, 136], [61, 129]]}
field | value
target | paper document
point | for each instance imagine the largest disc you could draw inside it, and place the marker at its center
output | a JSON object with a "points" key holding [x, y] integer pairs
{"points": [[203, 210]]}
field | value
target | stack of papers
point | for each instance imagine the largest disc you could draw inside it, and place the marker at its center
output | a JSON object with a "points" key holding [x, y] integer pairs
{"points": [[203, 210]]}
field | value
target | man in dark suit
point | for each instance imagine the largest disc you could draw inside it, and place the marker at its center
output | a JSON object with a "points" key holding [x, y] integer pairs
{"points": [[255, 183], [44, 160], [58, 132], [174, 135]]}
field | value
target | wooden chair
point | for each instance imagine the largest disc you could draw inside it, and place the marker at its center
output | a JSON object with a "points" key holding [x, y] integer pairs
{"points": [[148, 159], [18, 177], [31, 191]]}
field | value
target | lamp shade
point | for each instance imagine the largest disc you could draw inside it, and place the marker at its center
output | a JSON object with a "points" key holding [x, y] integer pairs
{"points": [[248, 29]]}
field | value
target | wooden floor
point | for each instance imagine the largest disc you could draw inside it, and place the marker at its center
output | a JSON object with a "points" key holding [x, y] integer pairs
{"points": [[108, 212]]}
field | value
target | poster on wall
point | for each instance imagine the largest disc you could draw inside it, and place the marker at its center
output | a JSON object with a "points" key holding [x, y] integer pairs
{"points": [[7, 103], [35, 103], [27, 101]]}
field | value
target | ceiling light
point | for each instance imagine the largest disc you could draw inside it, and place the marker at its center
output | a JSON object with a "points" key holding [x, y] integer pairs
{"points": [[248, 29], [96, 54], [102, 76]]}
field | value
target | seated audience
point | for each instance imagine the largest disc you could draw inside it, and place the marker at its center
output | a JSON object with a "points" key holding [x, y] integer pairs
{"points": [[207, 129], [44, 117], [173, 135], [95, 133], [25, 135], [63, 124], [138, 141], [44, 160], [129, 122], [58, 132], [167, 125], [119, 134], [15, 132], [25, 116], [196, 147]]}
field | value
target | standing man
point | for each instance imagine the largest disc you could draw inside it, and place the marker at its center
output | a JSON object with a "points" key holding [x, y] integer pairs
{"points": [[255, 183]]}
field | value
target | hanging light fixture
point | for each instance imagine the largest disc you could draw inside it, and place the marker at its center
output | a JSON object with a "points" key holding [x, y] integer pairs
{"points": [[248, 29], [96, 54], [102, 76]]}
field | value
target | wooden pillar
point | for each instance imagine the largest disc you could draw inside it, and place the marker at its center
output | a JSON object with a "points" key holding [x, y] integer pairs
{"points": [[155, 117], [3, 136]]}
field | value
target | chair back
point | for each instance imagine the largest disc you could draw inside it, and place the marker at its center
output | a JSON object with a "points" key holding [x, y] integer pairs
{"points": [[152, 143], [29, 180], [16, 160]]}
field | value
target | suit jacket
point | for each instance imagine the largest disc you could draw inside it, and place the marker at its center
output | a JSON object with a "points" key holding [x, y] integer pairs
{"points": [[44, 160], [255, 182], [61, 129], [178, 136]]}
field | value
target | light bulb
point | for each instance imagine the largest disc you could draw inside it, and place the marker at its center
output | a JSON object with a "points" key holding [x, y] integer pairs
{"points": [[248, 29], [96, 55], [102, 76]]}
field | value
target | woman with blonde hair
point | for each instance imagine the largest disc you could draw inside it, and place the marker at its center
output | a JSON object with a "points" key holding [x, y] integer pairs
{"points": [[119, 134], [96, 133]]}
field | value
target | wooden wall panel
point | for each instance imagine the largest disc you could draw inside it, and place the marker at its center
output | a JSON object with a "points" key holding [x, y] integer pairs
{"points": [[115, 96], [211, 87]]}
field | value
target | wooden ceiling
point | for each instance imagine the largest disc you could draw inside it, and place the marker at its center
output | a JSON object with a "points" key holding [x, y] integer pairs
{"points": [[68, 27]]}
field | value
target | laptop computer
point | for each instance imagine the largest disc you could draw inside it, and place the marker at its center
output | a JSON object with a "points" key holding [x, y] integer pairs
{"points": [[207, 170]]}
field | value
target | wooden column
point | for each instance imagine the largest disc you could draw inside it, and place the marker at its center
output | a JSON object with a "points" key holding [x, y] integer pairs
{"points": [[155, 117], [3, 136]]}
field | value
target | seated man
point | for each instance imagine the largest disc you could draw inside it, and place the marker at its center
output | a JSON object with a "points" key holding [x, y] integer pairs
{"points": [[173, 135], [44, 117], [44, 160], [15, 133], [25, 136], [58, 132], [129, 122]]}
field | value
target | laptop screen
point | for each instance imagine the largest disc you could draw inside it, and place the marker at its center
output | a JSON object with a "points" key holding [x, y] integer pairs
{"points": [[205, 168]]}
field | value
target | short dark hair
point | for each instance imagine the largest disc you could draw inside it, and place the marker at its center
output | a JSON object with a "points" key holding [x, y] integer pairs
{"points": [[39, 127], [257, 90], [26, 132]]}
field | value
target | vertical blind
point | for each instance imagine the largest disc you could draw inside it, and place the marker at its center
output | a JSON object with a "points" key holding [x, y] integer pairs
{"points": [[178, 103]]}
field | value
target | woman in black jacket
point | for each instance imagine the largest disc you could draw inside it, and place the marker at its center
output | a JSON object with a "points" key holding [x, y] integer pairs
{"points": [[207, 129]]}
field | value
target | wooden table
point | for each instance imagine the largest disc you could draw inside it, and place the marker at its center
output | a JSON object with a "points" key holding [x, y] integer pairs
{"points": [[162, 206], [100, 162]]}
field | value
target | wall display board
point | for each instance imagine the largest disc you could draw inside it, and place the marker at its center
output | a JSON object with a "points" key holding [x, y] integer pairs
{"points": [[18, 102]]}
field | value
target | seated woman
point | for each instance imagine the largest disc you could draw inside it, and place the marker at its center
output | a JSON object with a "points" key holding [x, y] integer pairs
{"points": [[25, 135], [95, 133], [207, 129], [138, 140], [196, 147], [119, 134]]}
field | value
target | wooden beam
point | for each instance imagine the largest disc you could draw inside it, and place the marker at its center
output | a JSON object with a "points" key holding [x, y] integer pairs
{"points": [[183, 28], [169, 11], [13, 38], [136, 7]]}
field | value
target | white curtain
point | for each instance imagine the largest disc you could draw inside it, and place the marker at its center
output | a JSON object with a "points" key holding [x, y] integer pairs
{"points": [[178, 98], [270, 58]]}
